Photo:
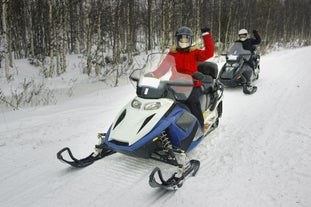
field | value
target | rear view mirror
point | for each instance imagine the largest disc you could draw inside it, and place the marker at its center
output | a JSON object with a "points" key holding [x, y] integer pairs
{"points": [[135, 75]]}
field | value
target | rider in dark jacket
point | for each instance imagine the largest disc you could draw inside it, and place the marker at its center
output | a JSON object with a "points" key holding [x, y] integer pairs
{"points": [[249, 44]]}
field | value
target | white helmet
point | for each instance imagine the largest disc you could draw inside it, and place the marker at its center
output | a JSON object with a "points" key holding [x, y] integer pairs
{"points": [[243, 31]]}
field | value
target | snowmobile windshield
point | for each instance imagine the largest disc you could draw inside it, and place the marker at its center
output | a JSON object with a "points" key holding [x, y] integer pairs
{"points": [[236, 50], [160, 79]]}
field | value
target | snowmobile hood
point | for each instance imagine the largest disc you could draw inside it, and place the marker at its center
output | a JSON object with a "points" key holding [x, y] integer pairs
{"points": [[137, 119]]}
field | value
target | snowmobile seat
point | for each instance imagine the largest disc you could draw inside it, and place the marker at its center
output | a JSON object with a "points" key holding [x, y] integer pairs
{"points": [[208, 68]]}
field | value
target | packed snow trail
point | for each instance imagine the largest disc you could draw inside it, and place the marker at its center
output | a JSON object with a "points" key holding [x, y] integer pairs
{"points": [[259, 155]]}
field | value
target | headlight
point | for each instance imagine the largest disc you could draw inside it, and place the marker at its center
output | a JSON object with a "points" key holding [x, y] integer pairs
{"points": [[235, 65], [152, 106], [136, 104]]}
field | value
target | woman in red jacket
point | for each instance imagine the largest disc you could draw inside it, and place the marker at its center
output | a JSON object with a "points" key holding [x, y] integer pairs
{"points": [[187, 56]]}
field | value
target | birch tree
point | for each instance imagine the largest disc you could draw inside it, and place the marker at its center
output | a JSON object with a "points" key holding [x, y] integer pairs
{"points": [[149, 25], [228, 25], [99, 38], [197, 32], [163, 23], [29, 28], [219, 20], [116, 34], [61, 36], [88, 37], [51, 36], [5, 39], [170, 31], [130, 30]]}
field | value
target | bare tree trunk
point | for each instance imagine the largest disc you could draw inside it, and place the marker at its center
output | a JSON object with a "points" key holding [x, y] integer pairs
{"points": [[75, 29], [65, 37], [163, 34], [149, 44], [59, 38], [219, 20], [116, 36], [267, 26], [197, 32], [228, 26], [30, 29], [51, 34], [61, 56], [5, 39], [10, 48], [99, 39], [212, 15], [130, 30], [25, 42], [170, 22], [88, 39]]}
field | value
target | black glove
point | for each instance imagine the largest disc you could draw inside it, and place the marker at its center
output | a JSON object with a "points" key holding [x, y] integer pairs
{"points": [[207, 79], [201, 77], [205, 29], [255, 31], [198, 76]]}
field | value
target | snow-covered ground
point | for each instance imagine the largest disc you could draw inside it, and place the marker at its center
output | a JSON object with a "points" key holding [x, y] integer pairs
{"points": [[260, 155]]}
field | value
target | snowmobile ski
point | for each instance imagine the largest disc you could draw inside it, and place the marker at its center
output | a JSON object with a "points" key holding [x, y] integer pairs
{"points": [[84, 162], [175, 181]]}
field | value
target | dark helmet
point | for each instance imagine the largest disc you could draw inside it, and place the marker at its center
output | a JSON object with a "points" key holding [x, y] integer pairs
{"points": [[184, 37]]}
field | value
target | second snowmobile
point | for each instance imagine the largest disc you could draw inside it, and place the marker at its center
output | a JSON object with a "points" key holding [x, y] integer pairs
{"points": [[237, 61], [157, 124]]}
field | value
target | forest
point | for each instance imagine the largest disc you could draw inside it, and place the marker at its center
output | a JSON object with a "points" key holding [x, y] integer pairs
{"points": [[109, 33]]}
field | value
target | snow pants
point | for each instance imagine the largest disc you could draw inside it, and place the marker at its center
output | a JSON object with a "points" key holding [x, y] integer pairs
{"points": [[193, 102], [247, 74]]}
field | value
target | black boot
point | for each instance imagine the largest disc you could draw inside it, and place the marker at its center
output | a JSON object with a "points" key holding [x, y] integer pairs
{"points": [[249, 89]]}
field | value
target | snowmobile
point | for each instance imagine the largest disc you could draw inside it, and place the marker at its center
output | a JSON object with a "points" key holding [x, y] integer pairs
{"points": [[157, 124], [237, 59]]}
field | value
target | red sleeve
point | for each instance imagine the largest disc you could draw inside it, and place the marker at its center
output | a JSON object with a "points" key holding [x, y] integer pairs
{"points": [[208, 51], [164, 66]]}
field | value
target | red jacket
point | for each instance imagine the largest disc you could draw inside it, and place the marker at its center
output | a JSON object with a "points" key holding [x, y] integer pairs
{"points": [[187, 61]]}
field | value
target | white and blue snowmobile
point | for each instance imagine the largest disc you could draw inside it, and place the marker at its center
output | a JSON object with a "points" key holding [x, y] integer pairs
{"points": [[239, 62], [157, 124]]}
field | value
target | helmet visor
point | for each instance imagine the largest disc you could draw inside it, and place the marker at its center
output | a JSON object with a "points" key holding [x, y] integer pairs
{"points": [[183, 38]]}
